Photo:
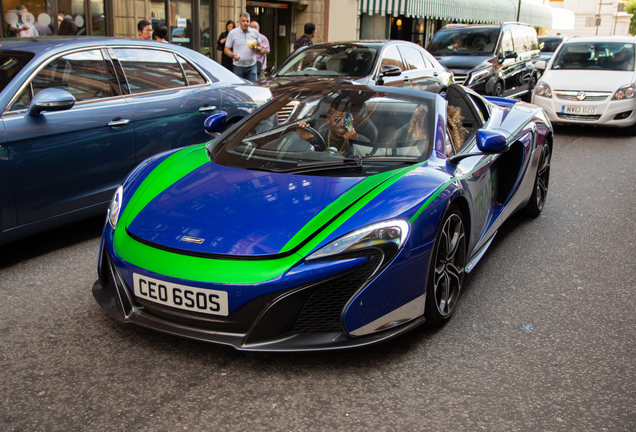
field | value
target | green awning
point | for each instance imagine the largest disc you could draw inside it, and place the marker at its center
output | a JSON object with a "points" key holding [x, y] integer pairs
{"points": [[383, 7], [535, 14], [476, 11]]}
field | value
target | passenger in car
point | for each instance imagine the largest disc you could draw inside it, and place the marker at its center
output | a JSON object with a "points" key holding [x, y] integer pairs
{"points": [[455, 128], [340, 131]]}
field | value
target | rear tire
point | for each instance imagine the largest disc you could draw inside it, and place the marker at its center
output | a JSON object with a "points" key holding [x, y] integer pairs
{"points": [[446, 273]]}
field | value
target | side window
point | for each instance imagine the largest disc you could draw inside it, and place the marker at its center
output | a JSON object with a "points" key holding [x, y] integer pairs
{"points": [[391, 57], [83, 74], [412, 57], [192, 75], [506, 42], [429, 61], [149, 70]]}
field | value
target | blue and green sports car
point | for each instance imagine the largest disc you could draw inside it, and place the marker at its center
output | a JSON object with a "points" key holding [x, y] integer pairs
{"points": [[332, 217]]}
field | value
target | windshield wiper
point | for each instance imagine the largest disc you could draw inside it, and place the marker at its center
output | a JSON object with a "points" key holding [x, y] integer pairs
{"points": [[354, 161]]}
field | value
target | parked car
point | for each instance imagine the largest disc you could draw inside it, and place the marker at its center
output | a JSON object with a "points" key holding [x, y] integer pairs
{"points": [[391, 63], [496, 60], [590, 81], [79, 113], [287, 235], [549, 45]]}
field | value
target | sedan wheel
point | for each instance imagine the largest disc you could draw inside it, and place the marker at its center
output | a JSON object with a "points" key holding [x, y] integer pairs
{"points": [[540, 191], [447, 269]]}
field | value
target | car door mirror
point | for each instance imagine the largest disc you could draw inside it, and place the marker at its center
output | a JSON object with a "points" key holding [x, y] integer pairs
{"points": [[488, 142], [511, 55], [540, 65], [491, 142], [390, 70], [216, 123], [50, 99]]}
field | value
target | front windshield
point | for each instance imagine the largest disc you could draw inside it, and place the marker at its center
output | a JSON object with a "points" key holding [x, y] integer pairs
{"points": [[342, 60], [595, 55], [12, 62], [465, 41], [325, 130], [550, 45]]}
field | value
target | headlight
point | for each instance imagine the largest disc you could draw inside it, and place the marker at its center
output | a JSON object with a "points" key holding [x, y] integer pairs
{"points": [[115, 207], [394, 232], [625, 92], [477, 75], [543, 89]]}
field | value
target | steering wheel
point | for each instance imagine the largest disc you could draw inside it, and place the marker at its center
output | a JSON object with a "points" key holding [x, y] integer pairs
{"points": [[319, 144], [310, 68]]}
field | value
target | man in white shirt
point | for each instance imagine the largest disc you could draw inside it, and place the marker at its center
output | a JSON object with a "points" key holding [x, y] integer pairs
{"points": [[242, 44]]}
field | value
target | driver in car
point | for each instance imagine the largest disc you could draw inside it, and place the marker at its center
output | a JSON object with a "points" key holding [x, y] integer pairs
{"points": [[340, 131]]}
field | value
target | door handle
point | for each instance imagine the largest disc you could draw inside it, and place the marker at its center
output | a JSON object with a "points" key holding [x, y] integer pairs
{"points": [[118, 122], [435, 73], [207, 108], [407, 79]]}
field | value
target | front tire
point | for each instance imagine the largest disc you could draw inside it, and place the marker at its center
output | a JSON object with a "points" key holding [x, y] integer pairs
{"points": [[446, 273], [540, 191]]}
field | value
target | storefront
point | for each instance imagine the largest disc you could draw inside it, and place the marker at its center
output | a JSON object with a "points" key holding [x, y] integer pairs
{"points": [[418, 20], [40, 15]]}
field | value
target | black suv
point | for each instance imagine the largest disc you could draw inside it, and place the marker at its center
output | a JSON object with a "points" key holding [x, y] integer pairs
{"points": [[495, 60]]}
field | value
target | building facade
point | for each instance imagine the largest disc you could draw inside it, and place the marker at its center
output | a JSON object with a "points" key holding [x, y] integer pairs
{"points": [[198, 23]]}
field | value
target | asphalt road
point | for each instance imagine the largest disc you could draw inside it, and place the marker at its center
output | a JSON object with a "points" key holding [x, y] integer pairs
{"points": [[543, 338]]}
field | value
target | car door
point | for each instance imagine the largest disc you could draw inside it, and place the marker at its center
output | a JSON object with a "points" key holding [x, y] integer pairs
{"points": [[509, 65], [465, 116], [168, 97], [391, 56], [64, 161], [421, 74]]}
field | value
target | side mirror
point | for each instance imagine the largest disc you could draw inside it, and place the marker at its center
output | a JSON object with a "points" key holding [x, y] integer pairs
{"points": [[50, 99], [490, 142], [391, 71], [216, 123], [511, 55], [541, 64]]}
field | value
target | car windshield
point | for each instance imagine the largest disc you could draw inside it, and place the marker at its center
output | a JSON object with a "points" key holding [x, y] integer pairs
{"points": [[331, 132], [465, 41], [549, 45], [12, 62], [344, 60], [595, 55]]}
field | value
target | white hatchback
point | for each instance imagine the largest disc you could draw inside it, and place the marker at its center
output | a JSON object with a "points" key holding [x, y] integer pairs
{"points": [[590, 80]]}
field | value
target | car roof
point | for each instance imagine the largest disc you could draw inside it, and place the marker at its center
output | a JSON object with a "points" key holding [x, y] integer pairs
{"points": [[588, 39], [54, 44], [376, 43]]}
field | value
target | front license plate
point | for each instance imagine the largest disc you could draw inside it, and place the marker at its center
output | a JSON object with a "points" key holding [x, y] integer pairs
{"points": [[180, 296], [568, 109]]}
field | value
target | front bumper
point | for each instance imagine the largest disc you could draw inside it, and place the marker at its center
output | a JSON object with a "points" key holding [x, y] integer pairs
{"points": [[612, 113], [304, 318]]}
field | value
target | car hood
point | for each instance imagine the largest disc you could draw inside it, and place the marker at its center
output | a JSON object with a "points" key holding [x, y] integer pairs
{"points": [[467, 62], [227, 211], [587, 80], [279, 85]]}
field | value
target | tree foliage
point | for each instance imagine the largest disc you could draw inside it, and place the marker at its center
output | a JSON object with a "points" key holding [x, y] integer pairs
{"points": [[631, 8]]}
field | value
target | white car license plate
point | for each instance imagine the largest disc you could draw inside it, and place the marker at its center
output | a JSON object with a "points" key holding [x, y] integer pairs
{"points": [[180, 296], [569, 109]]}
